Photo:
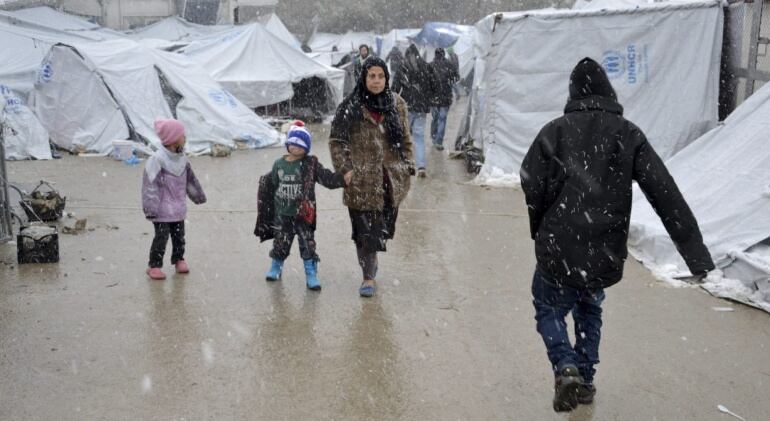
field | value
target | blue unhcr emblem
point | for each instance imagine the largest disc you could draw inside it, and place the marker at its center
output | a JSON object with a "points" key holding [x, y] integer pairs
{"points": [[12, 105], [46, 72], [614, 64], [222, 97]]}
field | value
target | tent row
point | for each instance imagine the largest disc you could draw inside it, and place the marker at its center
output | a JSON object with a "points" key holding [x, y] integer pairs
{"points": [[86, 91], [90, 94]]}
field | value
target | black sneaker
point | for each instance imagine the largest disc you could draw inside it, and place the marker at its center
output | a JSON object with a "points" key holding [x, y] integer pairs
{"points": [[566, 389], [586, 393]]}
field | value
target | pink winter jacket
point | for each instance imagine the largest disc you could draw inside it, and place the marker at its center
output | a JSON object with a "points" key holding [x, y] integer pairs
{"points": [[165, 199]]}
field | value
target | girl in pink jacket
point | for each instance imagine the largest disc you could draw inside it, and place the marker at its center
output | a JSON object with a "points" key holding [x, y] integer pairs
{"points": [[168, 181]]}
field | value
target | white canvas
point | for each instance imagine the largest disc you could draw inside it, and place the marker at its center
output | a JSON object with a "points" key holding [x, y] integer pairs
{"points": [[662, 59]]}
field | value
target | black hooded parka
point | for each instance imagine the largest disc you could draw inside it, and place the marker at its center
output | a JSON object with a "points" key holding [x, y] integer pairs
{"points": [[577, 179]]}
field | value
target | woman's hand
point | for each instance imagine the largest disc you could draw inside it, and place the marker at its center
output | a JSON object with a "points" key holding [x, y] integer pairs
{"points": [[348, 177]]}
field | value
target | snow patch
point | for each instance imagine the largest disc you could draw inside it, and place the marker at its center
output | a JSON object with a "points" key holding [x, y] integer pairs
{"points": [[734, 289], [146, 384], [496, 177]]}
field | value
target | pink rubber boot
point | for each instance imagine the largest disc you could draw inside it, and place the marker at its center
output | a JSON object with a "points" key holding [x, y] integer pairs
{"points": [[156, 274], [181, 267]]}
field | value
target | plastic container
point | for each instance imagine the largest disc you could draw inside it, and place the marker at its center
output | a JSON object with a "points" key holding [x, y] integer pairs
{"points": [[122, 149]]}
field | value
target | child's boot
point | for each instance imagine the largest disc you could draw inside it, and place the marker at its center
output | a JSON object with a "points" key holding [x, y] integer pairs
{"points": [[586, 393], [311, 272], [274, 273], [566, 389]]}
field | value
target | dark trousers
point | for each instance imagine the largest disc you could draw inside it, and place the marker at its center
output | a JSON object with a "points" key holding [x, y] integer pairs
{"points": [[368, 262], [162, 231], [552, 304], [286, 227]]}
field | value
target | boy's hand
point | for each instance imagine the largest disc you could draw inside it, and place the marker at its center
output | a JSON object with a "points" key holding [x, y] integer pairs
{"points": [[348, 176]]}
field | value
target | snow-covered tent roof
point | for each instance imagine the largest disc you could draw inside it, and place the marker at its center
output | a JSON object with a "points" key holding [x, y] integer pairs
{"points": [[174, 28], [25, 43], [350, 41], [725, 178], [347, 42], [259, 68], [125, 94], [610, 4], [274, 24], [667, 78], [46, 18], [323, 41], [24, 136], [20, 58]]}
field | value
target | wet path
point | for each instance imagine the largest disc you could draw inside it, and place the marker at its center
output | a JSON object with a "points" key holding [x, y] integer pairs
{"points": [[450, 335]]}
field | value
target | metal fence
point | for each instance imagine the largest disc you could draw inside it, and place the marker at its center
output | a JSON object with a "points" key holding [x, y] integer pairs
{"points": [[745, 55], [6, 231]]}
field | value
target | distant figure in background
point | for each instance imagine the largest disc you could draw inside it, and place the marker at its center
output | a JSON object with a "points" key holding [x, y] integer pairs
{"points": [[394, 59], [577, 180], [167, 183], [445, 76], [457, 86], [415, 84], [360, 59]]}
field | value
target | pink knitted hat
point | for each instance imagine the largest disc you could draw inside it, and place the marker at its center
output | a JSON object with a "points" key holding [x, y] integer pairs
{"points": [[169, 130]]}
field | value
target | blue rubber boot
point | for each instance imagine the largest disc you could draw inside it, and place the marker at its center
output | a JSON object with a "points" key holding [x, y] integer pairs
{"points": [[311, 272], [274, 273]]}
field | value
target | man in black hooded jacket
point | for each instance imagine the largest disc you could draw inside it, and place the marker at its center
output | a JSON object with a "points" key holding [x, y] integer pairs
{"points": [[577, 181], [415, 83]]}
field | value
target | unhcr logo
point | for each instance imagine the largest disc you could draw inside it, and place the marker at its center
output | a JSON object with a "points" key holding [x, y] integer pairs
{"points": [[46, 72], [222, 97], [614, 64]]}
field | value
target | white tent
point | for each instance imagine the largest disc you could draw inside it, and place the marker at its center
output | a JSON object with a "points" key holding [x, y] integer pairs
{"points": [[275, 26], [46, 18], [350, 41], [258, 68], [24, 137], [210, 113], [395, 38], [725, 178], [94, 93], [345, 43], [663, 60], [25, 43], [323, 41], [174, 28]]}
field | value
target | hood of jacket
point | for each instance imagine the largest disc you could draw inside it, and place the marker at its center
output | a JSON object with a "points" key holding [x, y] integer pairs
{"points": [[590, 89]]}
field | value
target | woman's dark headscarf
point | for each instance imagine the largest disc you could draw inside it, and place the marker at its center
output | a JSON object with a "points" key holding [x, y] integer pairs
{"points": [[350, 110]]}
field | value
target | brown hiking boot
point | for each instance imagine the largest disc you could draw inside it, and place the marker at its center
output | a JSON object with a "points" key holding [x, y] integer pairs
{"points": [[566, 388], [586, 393]]}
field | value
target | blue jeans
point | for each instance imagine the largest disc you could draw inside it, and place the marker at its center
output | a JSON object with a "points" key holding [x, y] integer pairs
{"points": [[417, 127], [552, 303], [438, 124]]}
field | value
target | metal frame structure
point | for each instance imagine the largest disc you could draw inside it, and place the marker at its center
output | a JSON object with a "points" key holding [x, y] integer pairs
{"points": [[741, 52], [6, 229], [751, 73]]}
